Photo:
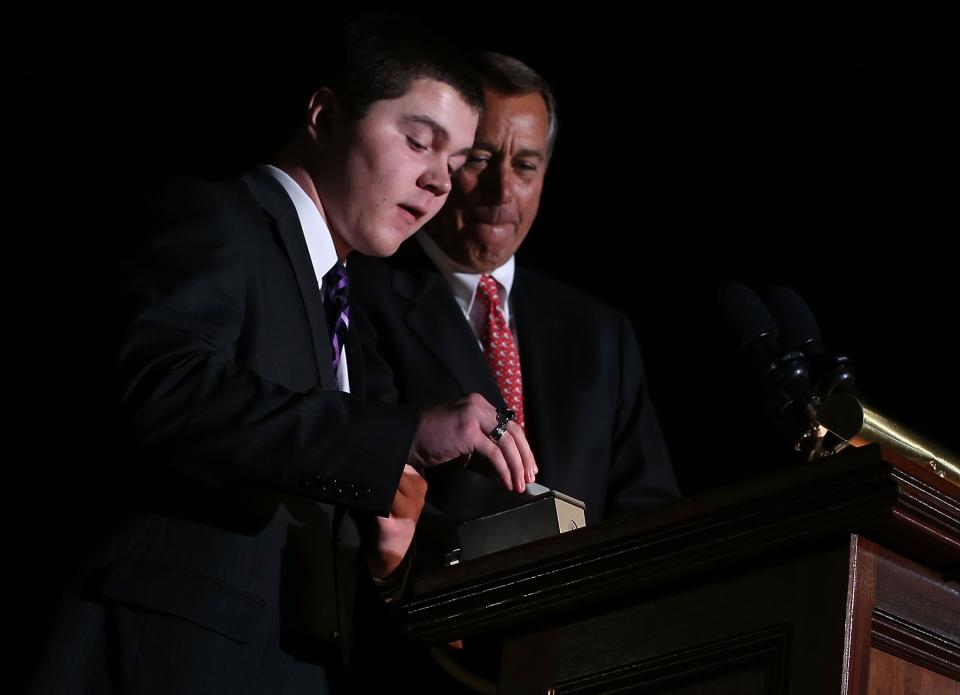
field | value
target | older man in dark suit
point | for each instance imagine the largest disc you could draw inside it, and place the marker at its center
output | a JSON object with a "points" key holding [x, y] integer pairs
{"points": [[454, 314]]}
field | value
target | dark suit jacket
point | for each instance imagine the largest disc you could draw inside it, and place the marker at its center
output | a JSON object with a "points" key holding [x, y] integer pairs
{"points": [[221, 576], [588, 413]]}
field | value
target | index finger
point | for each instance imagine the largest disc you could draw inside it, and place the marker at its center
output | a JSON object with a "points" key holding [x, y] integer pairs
{"points": [[530, 467]]}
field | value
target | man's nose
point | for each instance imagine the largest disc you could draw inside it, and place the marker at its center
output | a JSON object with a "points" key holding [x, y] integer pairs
{"points": [[435, 179], [498, 184]]}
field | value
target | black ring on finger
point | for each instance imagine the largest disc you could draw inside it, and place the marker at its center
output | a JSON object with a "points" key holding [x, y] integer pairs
{"points": [[496, 434]]}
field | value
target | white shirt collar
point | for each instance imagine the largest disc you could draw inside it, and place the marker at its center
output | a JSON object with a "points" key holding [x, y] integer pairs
{"points": [[464, 281], [323, 254]]}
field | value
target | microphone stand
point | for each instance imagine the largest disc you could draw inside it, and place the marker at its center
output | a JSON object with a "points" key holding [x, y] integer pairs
{"points": [[848, 419]]}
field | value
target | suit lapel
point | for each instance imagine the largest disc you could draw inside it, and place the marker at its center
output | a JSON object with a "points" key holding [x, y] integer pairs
{"points": [[545, 355], [435, 317], [279, 209]]}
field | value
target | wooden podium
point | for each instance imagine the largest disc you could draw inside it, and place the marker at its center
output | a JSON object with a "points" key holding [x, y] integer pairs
{"points": [[842, 576]]}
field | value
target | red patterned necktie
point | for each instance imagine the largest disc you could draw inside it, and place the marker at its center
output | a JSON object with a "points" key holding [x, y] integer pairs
{"points": [[499, 348]]}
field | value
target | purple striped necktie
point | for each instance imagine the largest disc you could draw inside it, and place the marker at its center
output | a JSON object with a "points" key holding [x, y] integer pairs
{"points": [[336, 305]]}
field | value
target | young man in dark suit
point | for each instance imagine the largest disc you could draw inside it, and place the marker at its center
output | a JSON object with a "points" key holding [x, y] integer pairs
{"points": [[454, 314], [247, 400]]}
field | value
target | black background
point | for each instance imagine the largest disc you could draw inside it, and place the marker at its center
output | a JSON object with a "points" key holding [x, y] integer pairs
{"points": [[812, 149]]}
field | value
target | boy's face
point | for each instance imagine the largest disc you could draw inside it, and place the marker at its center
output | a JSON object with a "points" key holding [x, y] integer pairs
{"points": [[394, 166]]}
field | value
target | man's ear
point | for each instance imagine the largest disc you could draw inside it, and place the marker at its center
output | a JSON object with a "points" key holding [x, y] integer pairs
{"points": [[324, 116]]}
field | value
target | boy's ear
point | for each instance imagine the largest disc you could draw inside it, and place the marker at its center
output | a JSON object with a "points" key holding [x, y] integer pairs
{"points": [[324, 116]]}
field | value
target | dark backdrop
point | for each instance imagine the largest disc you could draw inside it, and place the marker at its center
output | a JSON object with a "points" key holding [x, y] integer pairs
{"points": [[810, 149]]}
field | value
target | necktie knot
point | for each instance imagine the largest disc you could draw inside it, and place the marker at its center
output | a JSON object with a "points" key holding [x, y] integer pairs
{"points": [[488, 291], [336, 286], [336, 306]]}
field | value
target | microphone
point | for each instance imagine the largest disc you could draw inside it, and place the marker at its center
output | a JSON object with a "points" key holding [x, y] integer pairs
{"points": [[843, 416], [785, 372], [830, 372]]}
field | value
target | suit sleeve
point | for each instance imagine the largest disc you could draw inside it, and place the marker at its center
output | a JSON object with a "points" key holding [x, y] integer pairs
{"points": [[641, 474], [192, 411]]}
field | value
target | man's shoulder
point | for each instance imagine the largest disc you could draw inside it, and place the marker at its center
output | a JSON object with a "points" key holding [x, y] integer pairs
{"points": [[543, 290], [187, 197], [222, 210]]}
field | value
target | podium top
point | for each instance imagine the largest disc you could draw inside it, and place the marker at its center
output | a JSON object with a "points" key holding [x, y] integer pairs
{"points": [[867, 491]]}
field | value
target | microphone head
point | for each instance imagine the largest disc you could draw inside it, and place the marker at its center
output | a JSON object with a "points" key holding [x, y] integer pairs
{"points": [[830, 371], [784, 372], [744, 314], [794, 319]]}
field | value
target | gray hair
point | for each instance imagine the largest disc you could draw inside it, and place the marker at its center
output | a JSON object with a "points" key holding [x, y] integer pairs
{"points": [[511, 76]]}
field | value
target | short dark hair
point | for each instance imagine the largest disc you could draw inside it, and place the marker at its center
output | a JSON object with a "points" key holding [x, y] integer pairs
{"points": [[379, 56], [508, 75]]}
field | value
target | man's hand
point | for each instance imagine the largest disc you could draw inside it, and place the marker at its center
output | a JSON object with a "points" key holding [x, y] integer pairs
{"points": [[394, 534], [461, 429]]}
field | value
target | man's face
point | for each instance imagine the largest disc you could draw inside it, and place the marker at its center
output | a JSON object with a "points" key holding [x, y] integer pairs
{"points": [[393, 167], [497, 193]]}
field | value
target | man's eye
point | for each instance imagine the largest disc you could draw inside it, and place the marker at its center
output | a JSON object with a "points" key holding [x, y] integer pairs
{"points": [[526, 166], [416, 146], [474, 162]]}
